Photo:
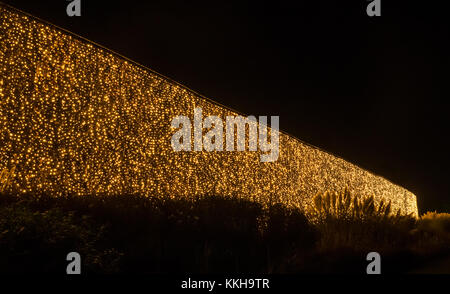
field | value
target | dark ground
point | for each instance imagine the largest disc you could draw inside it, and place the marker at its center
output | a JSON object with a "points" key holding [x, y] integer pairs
{"points": [[372, 90], [133, 235]]}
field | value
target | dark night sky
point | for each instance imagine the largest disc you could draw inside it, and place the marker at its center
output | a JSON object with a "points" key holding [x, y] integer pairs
{"points": [[371, 90]]}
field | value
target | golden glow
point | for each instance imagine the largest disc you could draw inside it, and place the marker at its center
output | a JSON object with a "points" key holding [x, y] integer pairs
{"points": [[83, 120]]}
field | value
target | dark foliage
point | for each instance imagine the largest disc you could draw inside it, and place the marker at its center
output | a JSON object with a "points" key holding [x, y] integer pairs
{"points": [[133, 234]]}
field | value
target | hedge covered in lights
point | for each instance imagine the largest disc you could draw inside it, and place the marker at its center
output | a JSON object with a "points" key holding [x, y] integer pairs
{"points": [[77, 118]]}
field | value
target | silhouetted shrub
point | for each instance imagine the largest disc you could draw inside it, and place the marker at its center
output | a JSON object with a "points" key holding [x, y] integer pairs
{"points": [[38, 241], [433, 222], [211, 234]]}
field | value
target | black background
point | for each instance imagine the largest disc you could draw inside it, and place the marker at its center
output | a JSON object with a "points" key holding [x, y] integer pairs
{"points": [[371, 90]]}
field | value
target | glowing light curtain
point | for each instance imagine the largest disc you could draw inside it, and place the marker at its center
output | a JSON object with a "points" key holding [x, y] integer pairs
{"points": [[76, 118]]}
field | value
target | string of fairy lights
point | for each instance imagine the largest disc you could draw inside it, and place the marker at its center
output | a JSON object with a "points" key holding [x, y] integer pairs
{"points": [[75, 118]]}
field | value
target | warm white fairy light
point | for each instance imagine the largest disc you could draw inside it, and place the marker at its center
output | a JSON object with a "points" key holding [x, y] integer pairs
{"points": [[82, 120]]}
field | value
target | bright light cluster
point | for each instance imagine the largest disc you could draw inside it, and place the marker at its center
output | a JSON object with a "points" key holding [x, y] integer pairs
{"points": [[76, 118]]}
